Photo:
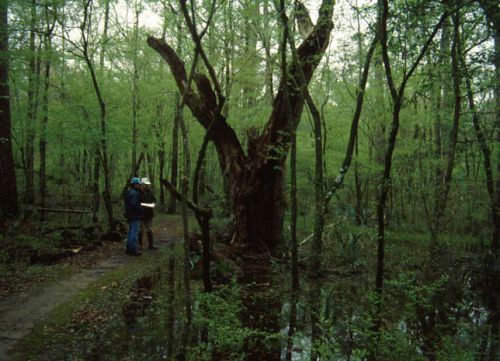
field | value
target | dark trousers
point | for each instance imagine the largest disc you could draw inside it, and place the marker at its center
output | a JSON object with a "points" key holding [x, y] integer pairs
{"points": [[147, 225]]}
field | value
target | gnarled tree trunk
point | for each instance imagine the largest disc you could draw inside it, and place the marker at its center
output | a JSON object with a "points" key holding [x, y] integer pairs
{"points": [[255, 177]]}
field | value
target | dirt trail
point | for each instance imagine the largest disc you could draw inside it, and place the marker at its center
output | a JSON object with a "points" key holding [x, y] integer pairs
{"points": [[19, 313]]}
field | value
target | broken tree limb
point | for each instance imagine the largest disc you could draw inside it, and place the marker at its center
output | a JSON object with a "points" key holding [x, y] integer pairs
{"points": [[175, 192]]}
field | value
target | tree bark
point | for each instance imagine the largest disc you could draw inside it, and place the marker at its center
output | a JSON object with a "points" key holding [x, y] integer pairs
{"points": [[8, 196], [171, 302], [174, 165], [293, 248], [45, 110], [29, 190], [203, 219], [160, 137], [442, 93], [135, 87], [358, 207], [492, 12], [266, 42], [178, 117], [103, 152]]}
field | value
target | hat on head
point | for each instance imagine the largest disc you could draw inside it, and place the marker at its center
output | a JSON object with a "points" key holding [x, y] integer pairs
{"points": [[145, 181], [135, 180]]}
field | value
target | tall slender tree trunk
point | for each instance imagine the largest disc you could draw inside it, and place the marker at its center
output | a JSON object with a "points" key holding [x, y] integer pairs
{"points": [[178, 117], [229, 43], [186, 272], [315, 267], [29, 189], [294, 249], [95, 186], [96, 146], [43, 136], [428, 320], [358, 207], [397, 95], [492, 302], [174, 164], [103, 152], [203, 219], [228, 62], [45, 112], [267, 48], [442, 196], [161, 149], [8, 196], [249, 48], [443, 107], [492, 12], [379, 141], [171, 303], [496, 237], [161, 173], [315, 272], [135, 87]]}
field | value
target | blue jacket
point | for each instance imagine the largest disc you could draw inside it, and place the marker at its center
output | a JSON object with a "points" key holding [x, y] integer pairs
{"points": [[133, 209]]}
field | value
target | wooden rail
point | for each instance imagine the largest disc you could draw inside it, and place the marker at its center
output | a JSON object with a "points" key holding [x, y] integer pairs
{"points": [[59, 210]]}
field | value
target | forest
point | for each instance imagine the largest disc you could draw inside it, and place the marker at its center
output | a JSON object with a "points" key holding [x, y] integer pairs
{"points": [[326, 180]]}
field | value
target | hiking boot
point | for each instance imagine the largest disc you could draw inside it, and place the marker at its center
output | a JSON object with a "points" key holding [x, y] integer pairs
{"points": [[132, 253], [139, 239], [150, 240]]}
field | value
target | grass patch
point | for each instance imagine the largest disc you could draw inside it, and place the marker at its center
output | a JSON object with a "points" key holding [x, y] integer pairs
{"points": [[92, 319]]}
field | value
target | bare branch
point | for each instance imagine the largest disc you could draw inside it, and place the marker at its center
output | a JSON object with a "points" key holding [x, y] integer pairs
{"points": [[197, 40], [420, 56], [194, 207], [354, 125]]}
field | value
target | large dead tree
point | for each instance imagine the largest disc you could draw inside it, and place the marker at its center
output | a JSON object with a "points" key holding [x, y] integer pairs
{"points": [[255, 177]]}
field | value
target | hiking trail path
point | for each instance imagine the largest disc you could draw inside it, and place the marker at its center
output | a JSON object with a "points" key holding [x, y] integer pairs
{"points": [[19, 313]]}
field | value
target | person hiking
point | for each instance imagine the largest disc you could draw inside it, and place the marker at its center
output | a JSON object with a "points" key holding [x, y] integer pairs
{"points": [[133, 213], [147, 197]]}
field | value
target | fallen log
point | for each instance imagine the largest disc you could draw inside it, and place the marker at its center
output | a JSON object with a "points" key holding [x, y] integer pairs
{"points": [[52, 230], [58, 210], [50, 257]]}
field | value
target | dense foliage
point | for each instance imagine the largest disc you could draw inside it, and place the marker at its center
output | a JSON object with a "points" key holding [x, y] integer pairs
{"points": [[406, 246]]}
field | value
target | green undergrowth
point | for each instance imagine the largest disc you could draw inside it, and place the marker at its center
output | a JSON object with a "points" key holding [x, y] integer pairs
{"points": [[96, 323], [413, 239], [18, 276], [20, 250]]}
